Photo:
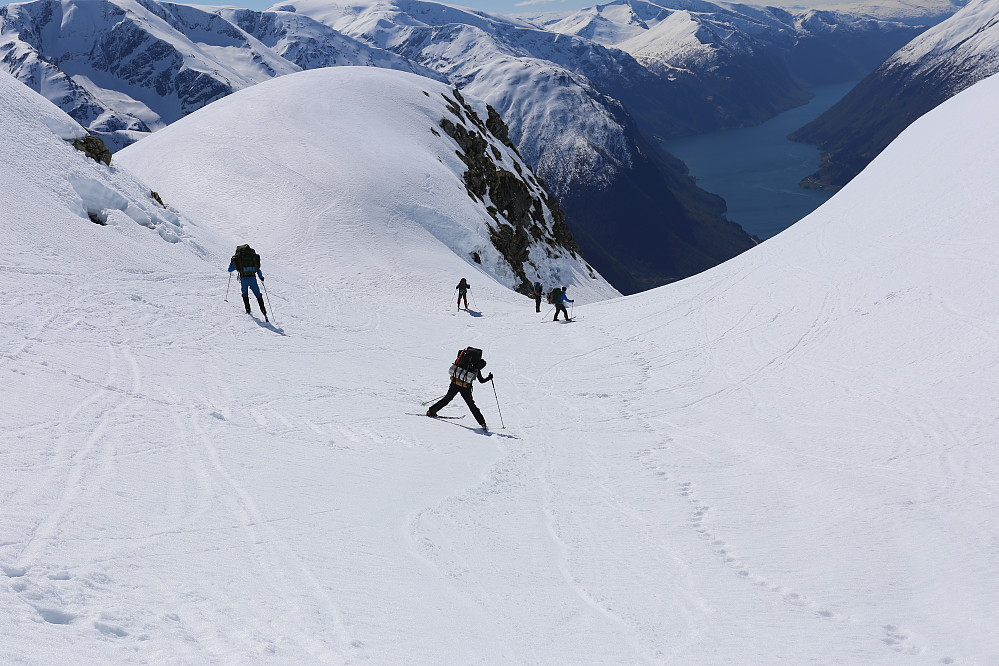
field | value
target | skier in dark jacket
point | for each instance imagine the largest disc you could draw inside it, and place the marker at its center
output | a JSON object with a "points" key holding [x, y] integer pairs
{"points": [[461, 382], [539, 291], [560, 301], [247, 262], [463, 288]]}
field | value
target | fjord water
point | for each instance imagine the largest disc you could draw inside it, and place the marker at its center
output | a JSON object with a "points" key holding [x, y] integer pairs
{"points": [[757, 170]]}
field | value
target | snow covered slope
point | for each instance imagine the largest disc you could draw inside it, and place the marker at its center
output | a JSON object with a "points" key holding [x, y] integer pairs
{"points": [[788, 459], [344, 133], [960, 52]]}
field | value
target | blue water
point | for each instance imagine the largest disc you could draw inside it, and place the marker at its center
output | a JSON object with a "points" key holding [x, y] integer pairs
{"points": [[757, 170]]}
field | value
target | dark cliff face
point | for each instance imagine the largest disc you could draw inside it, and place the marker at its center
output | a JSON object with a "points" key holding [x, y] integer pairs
{"points": [[517, 200]]}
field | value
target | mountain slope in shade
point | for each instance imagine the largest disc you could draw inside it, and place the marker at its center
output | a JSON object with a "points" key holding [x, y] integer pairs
{"points": [[935, 66], [788, 458]]}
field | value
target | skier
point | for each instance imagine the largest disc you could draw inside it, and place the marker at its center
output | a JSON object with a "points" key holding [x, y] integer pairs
{"points": [[247, 262], [539, 291], [463, 288], [466, 368], [560, 301]]}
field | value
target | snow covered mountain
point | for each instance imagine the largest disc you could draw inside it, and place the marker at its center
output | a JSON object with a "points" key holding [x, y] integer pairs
{"points": [[124, 68], [932, 68], [914, 12], [571, 105], [738, 63], [633, 209], [437, 166], [789, 458], [581, 112]]}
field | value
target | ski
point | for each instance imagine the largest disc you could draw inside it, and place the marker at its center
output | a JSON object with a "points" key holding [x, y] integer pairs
{"points": [[439, 416]]}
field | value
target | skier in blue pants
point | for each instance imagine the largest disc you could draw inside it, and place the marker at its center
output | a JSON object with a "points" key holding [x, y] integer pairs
{"points": [[247, 262], [560, 300]]}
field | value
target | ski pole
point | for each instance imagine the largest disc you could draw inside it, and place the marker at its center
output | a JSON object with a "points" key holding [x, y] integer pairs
{"points": [[549, 312], [227, 288], [271, 307], [572, 308], [497, 404], [434, 400]]}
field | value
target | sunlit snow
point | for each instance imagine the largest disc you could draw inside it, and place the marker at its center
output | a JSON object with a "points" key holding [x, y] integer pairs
{"points": [[788, 459]]}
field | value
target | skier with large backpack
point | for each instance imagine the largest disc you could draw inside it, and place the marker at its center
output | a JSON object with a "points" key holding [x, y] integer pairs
{"points": [[539, 291], [463, 288], [465, 370], [558, 298], [247, 262]]}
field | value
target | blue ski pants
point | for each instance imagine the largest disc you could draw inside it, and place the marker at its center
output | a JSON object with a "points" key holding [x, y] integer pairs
{"points": [[251, 284]]}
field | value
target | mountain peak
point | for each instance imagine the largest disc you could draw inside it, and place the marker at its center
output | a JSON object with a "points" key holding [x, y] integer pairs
{"points": [[375, 152]]}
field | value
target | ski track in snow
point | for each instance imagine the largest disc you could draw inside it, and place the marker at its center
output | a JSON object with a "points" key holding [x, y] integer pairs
{"points": [[546, 481]]}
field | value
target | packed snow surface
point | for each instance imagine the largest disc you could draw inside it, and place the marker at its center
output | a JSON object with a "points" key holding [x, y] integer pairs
{"points": [[788, 459]]}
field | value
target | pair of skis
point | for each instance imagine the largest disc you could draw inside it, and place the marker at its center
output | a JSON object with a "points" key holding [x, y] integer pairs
{"points": [[439, 416], [451, 418]]}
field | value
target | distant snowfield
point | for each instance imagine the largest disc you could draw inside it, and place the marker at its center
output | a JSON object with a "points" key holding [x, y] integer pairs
{"points": [[788, 459], [905, 10]]}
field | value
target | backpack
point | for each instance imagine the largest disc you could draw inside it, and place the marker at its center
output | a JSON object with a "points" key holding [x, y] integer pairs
{"points": [[466, 365], [553, 295], [468, 358], [538, 289], [246, 260]]}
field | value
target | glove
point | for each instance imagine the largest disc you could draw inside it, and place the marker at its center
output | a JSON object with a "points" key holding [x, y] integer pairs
{"points": [[490, 377], [261, 278]]}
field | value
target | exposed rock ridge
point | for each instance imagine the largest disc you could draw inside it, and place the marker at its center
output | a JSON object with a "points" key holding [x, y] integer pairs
{"points": [[523, 211]]}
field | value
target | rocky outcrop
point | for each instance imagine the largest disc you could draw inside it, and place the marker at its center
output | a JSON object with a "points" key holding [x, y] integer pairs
{"points": [[94, 148], [524, 213]]}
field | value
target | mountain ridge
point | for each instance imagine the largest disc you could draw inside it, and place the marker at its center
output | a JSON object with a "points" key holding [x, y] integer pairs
{"points": [[945, 60]]}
